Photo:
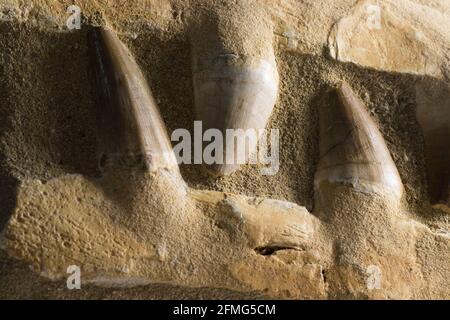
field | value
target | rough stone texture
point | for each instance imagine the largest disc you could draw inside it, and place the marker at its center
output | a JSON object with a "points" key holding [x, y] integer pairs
{"points": [[71, 220], [224, 241], [400, 36], [129, 228]]}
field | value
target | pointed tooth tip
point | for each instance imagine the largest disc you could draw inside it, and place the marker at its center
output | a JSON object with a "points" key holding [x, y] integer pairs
{"points": [[353, 151], [132, 131], [342, 85], [99, 32], [96, 31], [345, 92]]}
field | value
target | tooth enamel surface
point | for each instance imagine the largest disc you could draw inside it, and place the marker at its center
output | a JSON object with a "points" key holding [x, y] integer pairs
{"points": [[352, 149], [130, 123], [235, 84]]}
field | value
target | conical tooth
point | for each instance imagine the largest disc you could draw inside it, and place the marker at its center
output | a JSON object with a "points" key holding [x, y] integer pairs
{"points": [[235, 83], [433, 115], [352, 149], [131, 130]]}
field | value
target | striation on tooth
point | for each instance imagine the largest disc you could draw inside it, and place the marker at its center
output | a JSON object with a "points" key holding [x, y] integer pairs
{"points": [[352, 149], [131, 130], [235, 87]]}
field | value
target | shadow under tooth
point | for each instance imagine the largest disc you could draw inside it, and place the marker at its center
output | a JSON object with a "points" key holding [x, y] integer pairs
{"points": [[352, 149], [433, 115], [131, 130]]}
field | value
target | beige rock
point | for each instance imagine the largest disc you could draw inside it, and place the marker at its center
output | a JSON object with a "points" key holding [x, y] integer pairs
{"points": [[288, 227], [401, 36], [75, 233], [232, 234], [126, 229]]}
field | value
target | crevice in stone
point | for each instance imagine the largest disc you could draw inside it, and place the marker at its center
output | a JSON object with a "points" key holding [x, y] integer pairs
{"points": [[271, 249], [324, 275]]}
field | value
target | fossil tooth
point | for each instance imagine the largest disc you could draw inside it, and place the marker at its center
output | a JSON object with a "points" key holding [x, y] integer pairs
{"points": [[131, 130], [352, 149], [235, 86]]}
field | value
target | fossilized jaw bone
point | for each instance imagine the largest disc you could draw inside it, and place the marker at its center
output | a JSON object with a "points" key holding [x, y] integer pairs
{"points": [[131, 130], [234, 88], [433, 115], [352, 149]]}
